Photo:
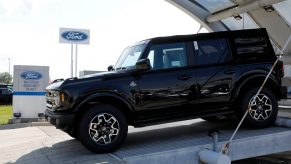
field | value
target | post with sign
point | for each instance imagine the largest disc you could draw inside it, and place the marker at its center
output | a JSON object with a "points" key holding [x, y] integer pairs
{"points": [[29, 85], [74, 37]]}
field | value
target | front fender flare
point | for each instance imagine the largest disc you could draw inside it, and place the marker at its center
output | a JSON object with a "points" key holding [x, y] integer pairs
{"points": [[103, 94]]}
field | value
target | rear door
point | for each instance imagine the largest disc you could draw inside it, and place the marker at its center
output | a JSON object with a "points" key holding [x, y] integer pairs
{"points": [[214, 72]]}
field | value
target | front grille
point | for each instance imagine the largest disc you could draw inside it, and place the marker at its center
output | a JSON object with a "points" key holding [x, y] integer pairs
{"points": [[49, 104]]}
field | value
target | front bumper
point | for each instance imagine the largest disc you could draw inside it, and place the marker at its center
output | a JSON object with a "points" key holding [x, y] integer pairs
{"points": [[61, 120]]}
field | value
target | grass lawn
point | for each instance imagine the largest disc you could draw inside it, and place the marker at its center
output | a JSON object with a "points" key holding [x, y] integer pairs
{"points": [[5, 113]]}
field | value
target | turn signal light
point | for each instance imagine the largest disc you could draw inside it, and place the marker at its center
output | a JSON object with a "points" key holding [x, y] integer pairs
{"points": [[62, 97]]}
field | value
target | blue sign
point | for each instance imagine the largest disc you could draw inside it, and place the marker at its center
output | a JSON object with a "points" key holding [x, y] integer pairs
{"points": [[31, 75], [74, 36]]}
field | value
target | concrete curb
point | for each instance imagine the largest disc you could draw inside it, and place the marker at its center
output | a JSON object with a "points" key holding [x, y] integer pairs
{"points": [[23, 125], [283, 122]]}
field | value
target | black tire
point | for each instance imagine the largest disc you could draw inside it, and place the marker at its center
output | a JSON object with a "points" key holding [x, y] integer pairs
{"points": [[263, 112], [108, 123]]}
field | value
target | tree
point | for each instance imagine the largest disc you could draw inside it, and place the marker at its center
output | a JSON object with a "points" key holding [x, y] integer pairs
{"points": [[6, 78]]}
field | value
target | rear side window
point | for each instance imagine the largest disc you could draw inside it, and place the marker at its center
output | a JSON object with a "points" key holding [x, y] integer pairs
{"points": [[251, 45], [211, 51]]}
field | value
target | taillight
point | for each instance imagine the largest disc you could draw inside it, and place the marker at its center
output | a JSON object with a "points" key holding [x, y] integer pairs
{"points": [[282, 69]]}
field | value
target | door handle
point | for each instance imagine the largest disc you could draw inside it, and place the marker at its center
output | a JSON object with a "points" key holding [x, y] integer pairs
{"points": [[184, 77]]}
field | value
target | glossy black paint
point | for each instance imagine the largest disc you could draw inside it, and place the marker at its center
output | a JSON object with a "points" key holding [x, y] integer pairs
{"points": [[156, 96]]}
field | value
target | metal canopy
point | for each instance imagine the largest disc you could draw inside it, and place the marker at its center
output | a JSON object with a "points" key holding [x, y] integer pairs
{"points": [[221, 15]]}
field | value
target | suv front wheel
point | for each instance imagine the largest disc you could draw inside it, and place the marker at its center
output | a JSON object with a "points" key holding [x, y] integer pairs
{"points": [[263, 110], [103, 128]]}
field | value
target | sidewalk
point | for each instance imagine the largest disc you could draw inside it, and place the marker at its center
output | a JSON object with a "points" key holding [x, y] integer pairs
{"points": [[31, 143], [46, 145]]}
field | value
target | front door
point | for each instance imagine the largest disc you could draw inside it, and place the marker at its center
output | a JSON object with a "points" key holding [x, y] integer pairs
{"points": [[165, 89]]}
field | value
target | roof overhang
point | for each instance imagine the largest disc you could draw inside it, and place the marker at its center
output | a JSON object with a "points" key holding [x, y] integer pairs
{"points": [[222, 15]]}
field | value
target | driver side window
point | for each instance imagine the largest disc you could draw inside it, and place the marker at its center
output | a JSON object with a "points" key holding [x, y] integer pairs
{"points": [[166, 56]]}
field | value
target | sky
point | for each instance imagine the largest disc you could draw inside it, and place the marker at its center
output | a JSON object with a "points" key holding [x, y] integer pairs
{"points": [[30, 30]]}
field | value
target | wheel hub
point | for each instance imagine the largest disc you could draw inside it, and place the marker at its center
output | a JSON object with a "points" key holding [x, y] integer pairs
{"points": [[104, 128]]}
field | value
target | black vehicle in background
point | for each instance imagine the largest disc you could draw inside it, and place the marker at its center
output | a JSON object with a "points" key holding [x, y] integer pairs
{"points": [[6, 93], [168, 79]]}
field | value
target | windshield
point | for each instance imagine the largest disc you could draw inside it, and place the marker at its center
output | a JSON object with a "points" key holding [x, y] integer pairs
{"points": [[129, 56]]}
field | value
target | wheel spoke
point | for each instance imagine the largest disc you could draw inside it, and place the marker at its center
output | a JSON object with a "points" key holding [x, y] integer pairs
{"points": [[256, 115], [264, 99], [97, 139], [93, 126], [111, 121], [106, 139], [101, 119], [114, 131], [253, 102], [264, 117], [268, 107]]}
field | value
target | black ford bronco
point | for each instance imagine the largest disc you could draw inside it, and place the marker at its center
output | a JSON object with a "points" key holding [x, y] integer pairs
{"points": [[169, 79]]}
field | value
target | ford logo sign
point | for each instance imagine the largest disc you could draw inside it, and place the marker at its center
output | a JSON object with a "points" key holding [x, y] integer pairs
{"points": [[74, 36], [31, 75]]}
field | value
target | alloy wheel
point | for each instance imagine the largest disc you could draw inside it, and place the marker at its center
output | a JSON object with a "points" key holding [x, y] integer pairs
{"points": [[261, 107], [104, 128]]}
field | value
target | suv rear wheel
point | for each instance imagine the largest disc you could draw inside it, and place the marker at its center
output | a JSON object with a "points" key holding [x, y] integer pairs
{"points": [[103, 128], [263, 110]]}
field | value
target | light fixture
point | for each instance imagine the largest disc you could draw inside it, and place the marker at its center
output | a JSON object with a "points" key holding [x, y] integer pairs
{"points": [[268, 8], [237, 17]]}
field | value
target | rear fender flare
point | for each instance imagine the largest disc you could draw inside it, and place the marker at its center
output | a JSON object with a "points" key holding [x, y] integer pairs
{"points": [[244, 82]]}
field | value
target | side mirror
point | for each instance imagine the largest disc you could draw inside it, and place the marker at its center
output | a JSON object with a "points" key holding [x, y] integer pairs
{"points": [[143, 64], [110, 68]]}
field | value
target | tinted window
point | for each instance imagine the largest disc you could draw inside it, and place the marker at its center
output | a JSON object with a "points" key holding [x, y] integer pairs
{"points": [[211, 51], [251, 45], [164, 56]]}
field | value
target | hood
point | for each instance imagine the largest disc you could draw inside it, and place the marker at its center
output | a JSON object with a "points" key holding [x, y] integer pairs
{"points": [[100, 74], [88, 78], [55, 85]]}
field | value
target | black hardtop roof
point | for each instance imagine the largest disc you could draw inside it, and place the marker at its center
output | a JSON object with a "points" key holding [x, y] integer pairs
{"points": [[236, 33]]}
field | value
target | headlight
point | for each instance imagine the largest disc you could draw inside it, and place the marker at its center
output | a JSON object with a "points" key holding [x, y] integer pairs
{"points": [[55, 100]]}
